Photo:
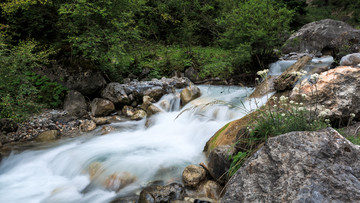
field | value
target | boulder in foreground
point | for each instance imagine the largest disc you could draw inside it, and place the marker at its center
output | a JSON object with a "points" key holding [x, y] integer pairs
{"points": [[317, 166]]}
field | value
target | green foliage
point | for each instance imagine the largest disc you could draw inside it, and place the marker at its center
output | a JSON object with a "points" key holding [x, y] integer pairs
{"points": [[253, 28], [236, 162], [22, 91], [354, 139], [164, 60]]}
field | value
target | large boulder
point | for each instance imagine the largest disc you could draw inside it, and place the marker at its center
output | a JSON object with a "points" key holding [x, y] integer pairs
{"points": [[101, 107], [219, 163], [116, 93], [299, 167], [87, 125], [75, 104], [289, 77], [350, 60], [166, 193], [193, 175], [189, 93], [337, 90], [325, 36]]}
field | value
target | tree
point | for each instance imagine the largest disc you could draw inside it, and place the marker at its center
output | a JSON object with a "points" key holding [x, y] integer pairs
{"points": [[254, 28]]}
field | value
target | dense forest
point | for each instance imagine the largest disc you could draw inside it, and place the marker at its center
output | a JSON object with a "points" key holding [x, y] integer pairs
{"points": [[218, 38]]}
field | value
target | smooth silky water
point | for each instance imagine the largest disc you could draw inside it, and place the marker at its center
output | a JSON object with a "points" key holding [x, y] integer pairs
{"points": [[174, 139]]}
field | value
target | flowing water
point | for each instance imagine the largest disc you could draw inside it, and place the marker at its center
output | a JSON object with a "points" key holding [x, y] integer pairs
{"points": [[174, 139]]}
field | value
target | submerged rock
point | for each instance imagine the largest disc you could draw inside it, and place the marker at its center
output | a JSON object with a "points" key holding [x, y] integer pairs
{"points": [[101, 107], [189, 93], [299, 167], [106, 129], [193, 175], [168, 193]]}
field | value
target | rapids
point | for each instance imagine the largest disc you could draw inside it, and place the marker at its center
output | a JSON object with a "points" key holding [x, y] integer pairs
{"points": [[175, 139]]}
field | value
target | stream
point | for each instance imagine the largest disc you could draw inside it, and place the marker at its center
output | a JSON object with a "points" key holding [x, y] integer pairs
{"points": [[83, 169]]}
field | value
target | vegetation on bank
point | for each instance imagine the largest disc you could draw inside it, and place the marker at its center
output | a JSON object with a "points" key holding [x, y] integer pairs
{"points": [[218, 38]]}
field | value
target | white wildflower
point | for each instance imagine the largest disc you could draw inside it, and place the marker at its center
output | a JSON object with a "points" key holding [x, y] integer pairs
{"points": [[322, 114], [327, 120], [301, 104], [303, 95], [327, 111], [291, 102], [283, 114], [301, 109], [314, 76], [352, 115], [296, 89], [275, 106]]}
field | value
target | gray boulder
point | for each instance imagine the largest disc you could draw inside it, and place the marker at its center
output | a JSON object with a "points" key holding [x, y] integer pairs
{"points": [[75, 104], [193, 175], [219, 163], [116, 93], [325, 36], [350, 60], [166, 193], [48, 135], [317, 166], [101, 107]]}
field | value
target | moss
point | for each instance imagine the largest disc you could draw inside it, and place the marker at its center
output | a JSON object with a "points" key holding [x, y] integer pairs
{"points": [[216, 136]]}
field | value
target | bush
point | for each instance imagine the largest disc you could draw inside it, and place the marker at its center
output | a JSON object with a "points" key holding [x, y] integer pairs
{"points": [[23, 91]]}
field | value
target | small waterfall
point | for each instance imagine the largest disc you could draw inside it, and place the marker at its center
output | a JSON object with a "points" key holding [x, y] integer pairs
{"points": [[91, 167], [280, 66]]}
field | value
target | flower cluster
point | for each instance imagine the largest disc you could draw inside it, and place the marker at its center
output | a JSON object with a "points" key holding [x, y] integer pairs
{"points": [[299, 73], [263, 73], [314, 77]]}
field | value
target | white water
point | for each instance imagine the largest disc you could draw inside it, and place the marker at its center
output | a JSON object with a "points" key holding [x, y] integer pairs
{"points": [[280, 66], [160, 152]]}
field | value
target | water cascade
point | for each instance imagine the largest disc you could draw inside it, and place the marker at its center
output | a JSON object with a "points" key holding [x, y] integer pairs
{"points": [[91, 167]]}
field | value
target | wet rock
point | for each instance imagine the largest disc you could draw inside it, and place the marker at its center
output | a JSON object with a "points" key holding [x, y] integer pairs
{"points": [[165, 104], [219, 163], [166, 193], [350, 60], [128, 111], [95, 169], [264, 87], [138, 115], [189, 93], [325, 36], [288, 78], [75, 104], [229, 133], [193, 175], [87, 125], [209, 189], [107, 129], [117, 181], [8, 125], [299, 167], [336, 89], [101, 107], [156, 92], [152, 109], [48, 135]]}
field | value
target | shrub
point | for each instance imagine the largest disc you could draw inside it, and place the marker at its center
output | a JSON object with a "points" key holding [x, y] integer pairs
{"points": [[23, 91]]}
